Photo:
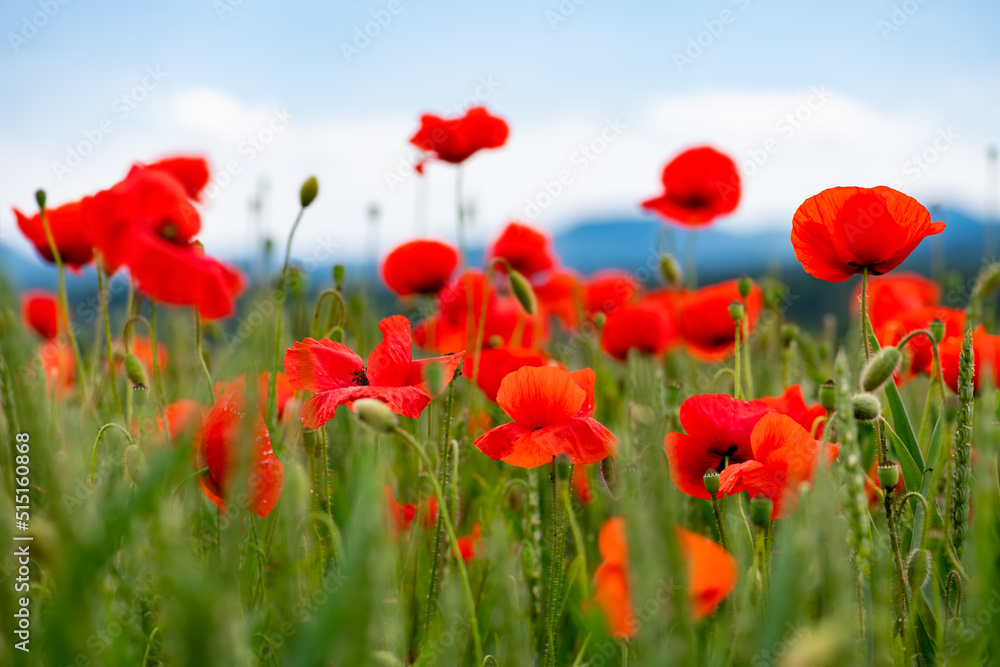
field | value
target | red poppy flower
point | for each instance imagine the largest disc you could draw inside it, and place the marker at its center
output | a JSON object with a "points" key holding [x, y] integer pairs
{"points": [[717, 434], [419, 267], [918, 348], [985, 354], [191, 172], [551, 410], [338, 376], [608, 291], [402, 514], [565, 295], [495, 363], [784, 456], [711, 572], [561, 295], [704, 321], [469, 545], [224, 434], [611, 580], [147, 223], [456, 325], [40, 310], [644, 327], [699, 185], [581, 485], [527, 250], [282, 387], [58, 365], [892, 296], [68, 231], [455, 140], [184, 416], [842, 231], [793, 404]]}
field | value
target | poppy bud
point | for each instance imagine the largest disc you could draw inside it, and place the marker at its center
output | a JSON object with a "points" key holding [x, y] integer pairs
{"points": [[309, 191], [918, 568], [937, 329], [609, 476], [599, 320], [866, 407], [521, 289], [376, 415], [135, 371], [40, 198], [670, 269], [736, 311], [338, 276], [827, 395], [789, 333], [433, 378], [134, 463], [760, 511], [672, 392], [495, 341], [140, 393], [888, 475], [880, 368], [744, 285], [711, 479], [337, 335]]}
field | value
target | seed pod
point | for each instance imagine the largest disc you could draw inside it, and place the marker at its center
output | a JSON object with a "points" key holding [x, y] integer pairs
{"points": [[135, 371], [308, 192], [495, 341], [736, 311], [880, 368], [827, 395], [521, 289], [937, 329], [134, 463], [888, 475], [338, 276], [140, 393], [671, 271], [760, 511], [867, 407], [918, 568], [744, 285], [961, 486], [376, 415], [711, 479], [40, 197], [789, 333]]}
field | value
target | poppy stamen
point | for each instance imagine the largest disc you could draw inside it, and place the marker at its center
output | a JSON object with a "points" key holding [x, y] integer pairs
{"points": [[360, 378]]}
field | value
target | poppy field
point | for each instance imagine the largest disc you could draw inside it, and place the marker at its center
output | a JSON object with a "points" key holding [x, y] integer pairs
{"points": [[500, 464]]}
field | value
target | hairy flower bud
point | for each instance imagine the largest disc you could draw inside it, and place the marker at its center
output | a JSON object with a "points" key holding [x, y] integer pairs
{"points": [[376, 415], [135, 371], [760, 511], [936, 328], [789, 333], [880, 368], [671, 270], [521, 288], [338, 276], [744, 285], [309, 191], [828, 395], [867, 407]]}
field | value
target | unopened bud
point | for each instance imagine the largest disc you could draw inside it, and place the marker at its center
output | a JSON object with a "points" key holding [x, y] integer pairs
{"points": [[670, 268], [134, 463], [376, 415], [711, 479], [309, 191], [867, 407], [918, 568], [135, 371], [609, 476], [880, 368], [736, 311], [888, 475], [599, 320], [789, 333], [760, 511], [828, 395], [521, 289], [744, 285], [495, 341], [338, 276], [310, 440], [40, 197], [937, 329]]}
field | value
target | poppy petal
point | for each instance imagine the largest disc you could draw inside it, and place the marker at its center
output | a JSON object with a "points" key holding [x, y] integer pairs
{"points": [[536, 397], [389, 362], [321, 365]]}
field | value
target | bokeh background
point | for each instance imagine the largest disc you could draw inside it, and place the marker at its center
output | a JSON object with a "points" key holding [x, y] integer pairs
{"points": [[803, 95]]}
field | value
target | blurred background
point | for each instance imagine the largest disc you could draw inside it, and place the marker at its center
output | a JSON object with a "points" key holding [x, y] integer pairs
{"points": [[804, 96]]}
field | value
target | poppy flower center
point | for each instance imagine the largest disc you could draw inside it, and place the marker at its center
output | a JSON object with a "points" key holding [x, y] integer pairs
{"points": [[360, 378], [727, 457], [169, 231], [693, 200]]}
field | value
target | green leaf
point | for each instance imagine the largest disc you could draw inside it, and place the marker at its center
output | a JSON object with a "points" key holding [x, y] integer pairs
{"points": [[900, 420], [911, 471]]}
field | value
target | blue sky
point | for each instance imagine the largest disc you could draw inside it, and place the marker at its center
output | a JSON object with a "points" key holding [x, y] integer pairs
{"points": [[875, 84]]}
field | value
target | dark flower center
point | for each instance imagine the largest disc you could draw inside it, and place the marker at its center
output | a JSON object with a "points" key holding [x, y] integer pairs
{"points": [[727, 457], [360, 378]]}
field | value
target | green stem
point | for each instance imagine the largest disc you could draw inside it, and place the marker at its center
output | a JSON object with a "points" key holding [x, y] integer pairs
{"points": [[157, 380], [97, 442], [103, 298], [736, 374], [444, 471], [149, 646], [901, 607], [272, 380], [745, 324], [450, 528], [719, 522], [201, 357]]}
